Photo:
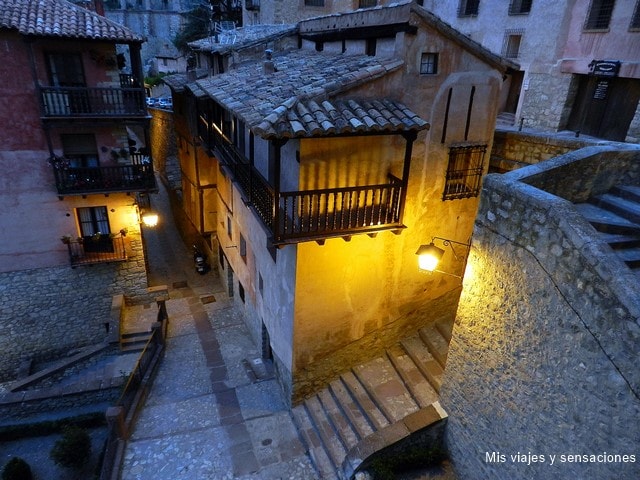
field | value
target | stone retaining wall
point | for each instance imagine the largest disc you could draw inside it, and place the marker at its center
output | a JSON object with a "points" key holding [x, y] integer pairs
{"points": [[545, 346], [45, 313]]}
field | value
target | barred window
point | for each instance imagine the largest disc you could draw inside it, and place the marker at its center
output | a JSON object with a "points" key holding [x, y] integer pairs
{"points": [[520, 7], [314, 3], [599, 14], [367, 3], [468, 8], [635, 20], [429, 63], [511, 43], [464, 172]]}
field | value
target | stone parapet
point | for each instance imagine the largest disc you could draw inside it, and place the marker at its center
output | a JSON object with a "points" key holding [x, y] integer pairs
{"points": [[547, 335]]}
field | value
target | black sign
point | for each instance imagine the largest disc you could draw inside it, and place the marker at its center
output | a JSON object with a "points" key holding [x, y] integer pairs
{"points": [[605, 68]]}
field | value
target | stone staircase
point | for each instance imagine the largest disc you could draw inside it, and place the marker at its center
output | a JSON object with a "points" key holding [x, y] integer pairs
{"points": [[616, 217], [375, 404]]}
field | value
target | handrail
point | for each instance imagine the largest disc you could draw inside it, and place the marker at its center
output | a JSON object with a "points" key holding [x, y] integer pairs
{"points": [[109, 178], [92, 101]]}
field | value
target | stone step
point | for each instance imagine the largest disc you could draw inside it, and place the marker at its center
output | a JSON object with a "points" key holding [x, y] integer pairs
{"points": [[438, 345], [419, 386], [630, 256], [317, 452], [420, 355], [630, 192], [623, 207], [352, 410], [341, 424], [386, 388], [619, 242], [445, 327], [330, 440], [375, 416], [605, 221]]}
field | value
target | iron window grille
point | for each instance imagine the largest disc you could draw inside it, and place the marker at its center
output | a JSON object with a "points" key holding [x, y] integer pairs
{"points": [[635, 20], [314, 3], [429, 63], [520, 7], [511, 43], [464, 172], [468, 8], [367, 3], [599, 14]]}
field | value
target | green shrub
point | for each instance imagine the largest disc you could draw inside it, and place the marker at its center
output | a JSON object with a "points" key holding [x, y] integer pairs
{"points": [[73, 449], [16, 469]]}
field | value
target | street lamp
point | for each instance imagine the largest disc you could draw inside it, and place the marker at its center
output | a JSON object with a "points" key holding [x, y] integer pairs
{"points": [[429, 256], [150, 218]]}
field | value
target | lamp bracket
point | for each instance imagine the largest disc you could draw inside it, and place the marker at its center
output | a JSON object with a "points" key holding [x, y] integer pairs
{"points": [[449, 243]]}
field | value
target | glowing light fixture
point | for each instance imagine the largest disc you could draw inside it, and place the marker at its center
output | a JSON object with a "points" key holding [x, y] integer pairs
{"points": [[150, 218], [429, 256]]}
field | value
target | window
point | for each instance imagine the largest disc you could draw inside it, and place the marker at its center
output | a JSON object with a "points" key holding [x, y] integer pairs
{"points": [[260, 284], [229, 227], [367, 3], [599, 14], [241, 291], [370, 47], [468, 8], [511, 43], [429, 64], [93, 220], [65, 70], [80, 150], [464, 172], [243, 248], [520, 7], [314, 3], [635, 20]]}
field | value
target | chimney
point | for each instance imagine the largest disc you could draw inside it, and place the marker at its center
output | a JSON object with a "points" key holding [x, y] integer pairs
{"points": [[269, 67]]}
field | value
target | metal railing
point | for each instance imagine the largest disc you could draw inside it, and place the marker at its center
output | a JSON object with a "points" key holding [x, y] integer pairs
{"points": [[96, 249], [339, 211], [92, 102], [117, 178]]}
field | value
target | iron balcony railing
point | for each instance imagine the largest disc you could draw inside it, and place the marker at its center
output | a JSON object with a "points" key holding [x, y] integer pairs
{"points": [[313, 214], [68, 102], [96, 249], [119, 178]]}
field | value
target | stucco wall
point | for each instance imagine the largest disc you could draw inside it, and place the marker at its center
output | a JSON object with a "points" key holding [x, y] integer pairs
{"points": [[542, 360]]}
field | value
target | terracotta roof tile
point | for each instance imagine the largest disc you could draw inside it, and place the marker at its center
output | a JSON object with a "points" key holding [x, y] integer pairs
{"points": [[302, 98], [59, 18], [243, 37]]}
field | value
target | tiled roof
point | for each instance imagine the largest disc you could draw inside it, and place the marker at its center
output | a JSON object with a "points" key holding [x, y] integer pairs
{"points": [[307, 96], [59, 18], [243, 37]]}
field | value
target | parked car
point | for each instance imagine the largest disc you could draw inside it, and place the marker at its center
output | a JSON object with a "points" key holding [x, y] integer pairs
{"points": [[165, 103]]}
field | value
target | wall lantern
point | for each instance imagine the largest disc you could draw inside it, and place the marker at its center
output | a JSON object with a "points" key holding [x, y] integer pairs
{"points": [[429, 256], [150, 218]]}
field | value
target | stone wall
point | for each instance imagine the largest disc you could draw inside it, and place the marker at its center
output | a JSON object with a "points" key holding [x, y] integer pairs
{"points": [[514, 149], [45, 313], [543, 357]]}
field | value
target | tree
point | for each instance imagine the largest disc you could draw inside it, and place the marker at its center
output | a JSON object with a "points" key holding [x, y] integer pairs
{"points": [[73, 449]]}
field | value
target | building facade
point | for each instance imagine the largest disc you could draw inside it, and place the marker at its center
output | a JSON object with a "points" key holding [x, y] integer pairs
{"points": [[328, 178], [579, 60], [74, 160]]}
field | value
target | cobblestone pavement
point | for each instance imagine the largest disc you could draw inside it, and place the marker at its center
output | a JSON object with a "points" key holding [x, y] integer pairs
{"points": [[206, 416]]}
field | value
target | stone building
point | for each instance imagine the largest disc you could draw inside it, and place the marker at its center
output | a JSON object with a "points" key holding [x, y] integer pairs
{"points": [[328, 178], [579, 60], [73, 156]]}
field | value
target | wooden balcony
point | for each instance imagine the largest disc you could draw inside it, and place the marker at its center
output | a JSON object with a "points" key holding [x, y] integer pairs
{"points": [[81, 102], [307, 215], [91, 180], [315, 215], [97, 249]]}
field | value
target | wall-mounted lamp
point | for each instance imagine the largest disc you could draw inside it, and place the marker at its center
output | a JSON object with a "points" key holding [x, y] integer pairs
{"points": [[429, 256], [150, 218]]}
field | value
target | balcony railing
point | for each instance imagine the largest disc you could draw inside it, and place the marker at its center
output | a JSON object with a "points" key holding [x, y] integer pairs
{"points": [[313, 214], [119, 178], [96, 249], [341, 211], [252, 4], [68, 102]]}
